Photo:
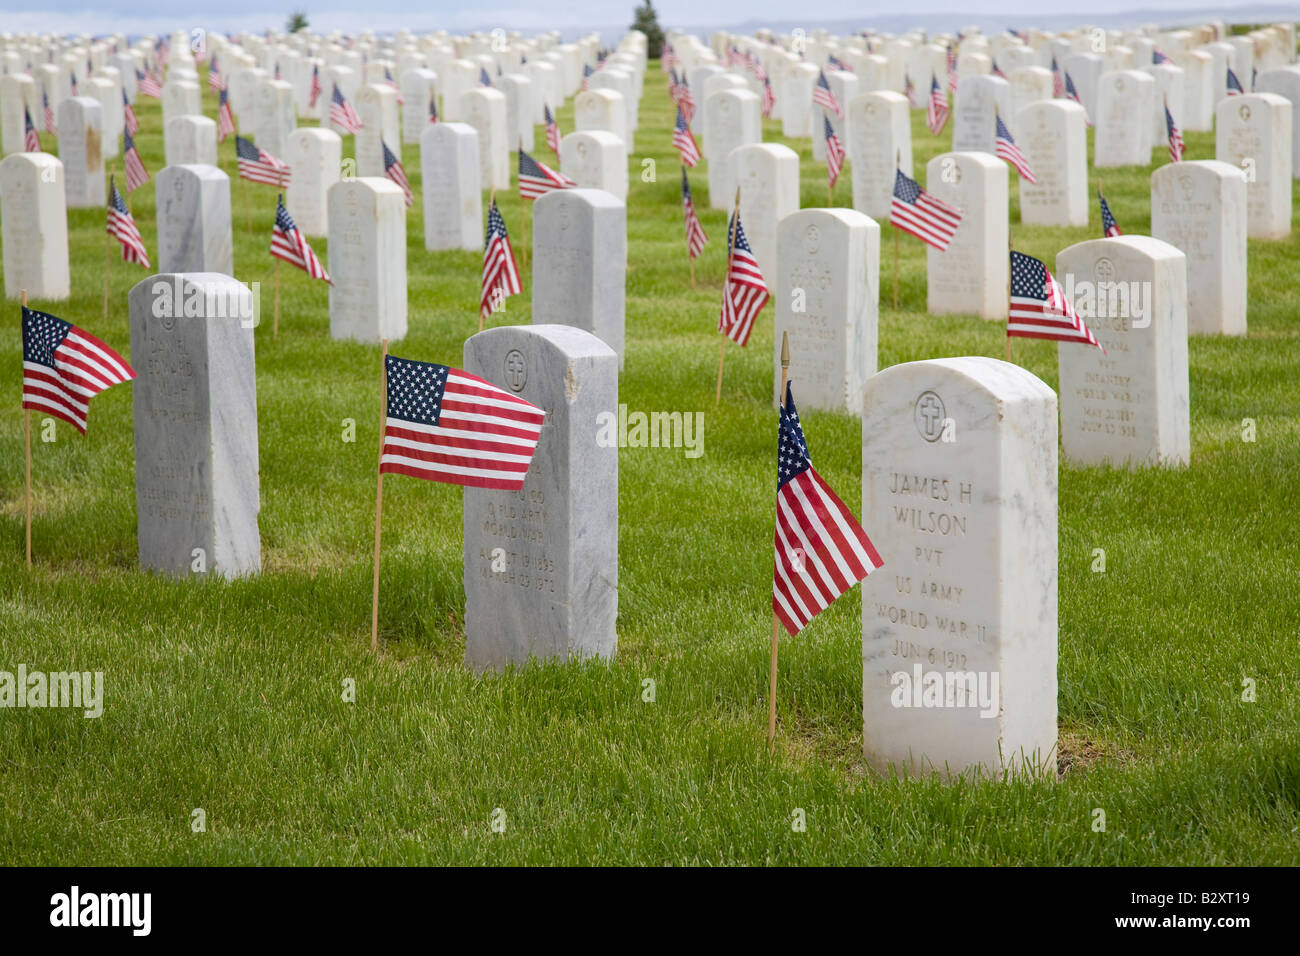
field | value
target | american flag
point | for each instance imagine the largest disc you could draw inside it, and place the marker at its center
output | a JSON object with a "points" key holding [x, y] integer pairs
{"points": [[823, 97], [552, 132], [685, 142], [936, 111], [1176, 147], [669, 58], [215, 83], [225, 118], [834, 153], [500, 272], [128, 116], [586, 76], [1158, 56], [1071, 93], [769, 98], [837, 63], [952, 68], [394, 170], [32, 140], [433, 107], [1039, 308], [538, 179], [50, 126], [65, 367], [1058, 88], [388, 77], [685, 99], [483, 78], [820, 549], [136, 174], [695, 237], [1109, 227], [313, 94], [444, 424], [745, 293], [122, 226], [1234, 84], [74, 84], [276, 74], [1254, 75], [258, 166], [1009, 151], [342, 114], [288, 243], [997, 71], [909, 89], [147, 84], [914, 210]]}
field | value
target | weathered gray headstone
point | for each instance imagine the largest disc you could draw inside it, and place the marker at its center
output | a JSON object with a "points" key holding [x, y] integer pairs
{"points": [[80, 138], [1129, 406], [1199, 208], [827, 284], [191, 141], [959, 627], [541, 564], [580, 263], [35, 223], [367, 259], [194, 234], [453, 210], [195, 400]]}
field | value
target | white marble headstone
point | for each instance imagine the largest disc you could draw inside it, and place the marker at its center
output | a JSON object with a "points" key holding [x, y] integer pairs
{"points": [[315, 157], [971, 275], [449, 164], [367, 259], [34, 210], [194, 228], [1253, 133]]}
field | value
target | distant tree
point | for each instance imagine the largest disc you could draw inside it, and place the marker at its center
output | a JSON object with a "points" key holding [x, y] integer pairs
{"points": [[297, 21], [646, 20]]}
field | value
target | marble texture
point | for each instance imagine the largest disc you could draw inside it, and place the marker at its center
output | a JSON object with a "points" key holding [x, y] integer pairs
{"points": [[1199, 208], [974, 116], [557, 596], [376, 104], [194, 230], [195, 406], [1130, 406], [450, 191], [879, 143], [967, 529], [971, 275], [81, 130], [1053, 136], [596, 159], [1285, 82], [367, 260], [33, 207], [1255, 131], [275, 116], [580, 263], [191, 141], [315, 157], [734, 118], [1122, 130], [485, 110], [829, 264], [419, 86], [768, 177], [601, 110]]}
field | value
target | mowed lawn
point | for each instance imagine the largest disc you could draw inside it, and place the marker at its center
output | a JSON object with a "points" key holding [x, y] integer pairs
{"points": [[228, 696]]}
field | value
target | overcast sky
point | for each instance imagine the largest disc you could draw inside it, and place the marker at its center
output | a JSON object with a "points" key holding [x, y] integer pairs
{"points": [[571, 16]]}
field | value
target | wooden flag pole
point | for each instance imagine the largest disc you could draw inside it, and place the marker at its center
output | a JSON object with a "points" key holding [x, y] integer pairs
{"points": [[689, 258], [108, 257], [379, 505], [492, 198], [275, 326], [776, 621], [726, 290], [523, 213], [1010, 247], [27, 441]]}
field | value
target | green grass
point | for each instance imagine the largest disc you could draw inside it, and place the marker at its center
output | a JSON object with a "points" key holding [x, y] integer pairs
{"points": [[227, 696]]}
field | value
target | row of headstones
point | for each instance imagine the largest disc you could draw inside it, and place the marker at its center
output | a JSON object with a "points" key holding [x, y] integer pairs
{"points": [[967, 524]]}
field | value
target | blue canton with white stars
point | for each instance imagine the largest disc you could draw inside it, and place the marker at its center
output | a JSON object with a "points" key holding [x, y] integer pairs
{"points": [[905, 187], [738, 241], [415, 389], [42, 334], [496, 226], [791, 450]]}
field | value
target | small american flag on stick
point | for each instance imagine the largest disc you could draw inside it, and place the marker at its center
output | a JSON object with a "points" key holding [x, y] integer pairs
{"points": [[65, 367], [823, 97], [820, 549], [444, 424], [1009, 151], [147, 84], [684, 141], [538, 179], [913, 210], [1058, 88], [215, 82], [936, 110], [394, 170], [552, 131], [500, 272], [834, 153], [258, 166], [288, 243], [1039, 308], [136, 174], [50, 126], [1234, 84], [745, 293], [342, 113], [695, 237], [1176, 145], [225, 118], [313, 93], [122, 226], [1109, 227], [129, 121], [31, 139]]}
